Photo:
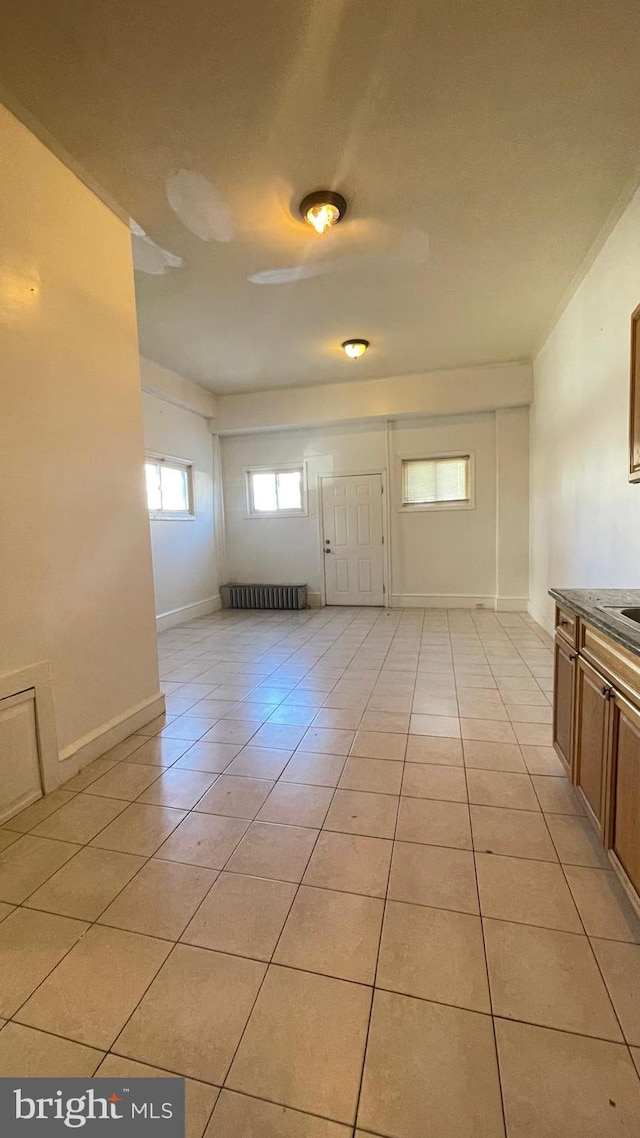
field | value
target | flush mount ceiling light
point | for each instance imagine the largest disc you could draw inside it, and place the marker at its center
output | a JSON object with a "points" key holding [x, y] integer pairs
{"points": [[355, 348], [323, 209]]}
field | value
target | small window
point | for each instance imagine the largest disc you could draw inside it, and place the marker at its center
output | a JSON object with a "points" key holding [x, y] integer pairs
{"points": [[432, 483], [169, 487], [276, 492]]}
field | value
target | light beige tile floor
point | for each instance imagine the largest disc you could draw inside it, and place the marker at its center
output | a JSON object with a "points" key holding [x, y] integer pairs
{"points": [[343, 887]]}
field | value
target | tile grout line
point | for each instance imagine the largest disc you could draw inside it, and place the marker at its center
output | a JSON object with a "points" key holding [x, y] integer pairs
{"points": [[164, 770], [169, 954], [269, 962], [380, 939], [593, 954], [597, 962], [486, 963]]}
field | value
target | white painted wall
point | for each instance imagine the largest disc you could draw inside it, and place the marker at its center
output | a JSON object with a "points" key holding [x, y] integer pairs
{"points": [[439, 554], [437, 557], [281, 550], [174, 388], [512, 504], [184, 552], [459, 391], [75, 566], [585, 516]]}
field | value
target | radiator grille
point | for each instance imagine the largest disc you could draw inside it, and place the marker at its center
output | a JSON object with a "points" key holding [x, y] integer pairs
{"points": [[264, 596]]}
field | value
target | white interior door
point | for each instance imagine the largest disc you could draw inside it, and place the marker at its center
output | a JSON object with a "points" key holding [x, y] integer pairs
{"points": [[352, 539]]}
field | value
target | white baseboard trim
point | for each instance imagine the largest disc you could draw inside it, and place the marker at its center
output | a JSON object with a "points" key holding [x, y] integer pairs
{"points": [[512, 604], [540, 618], [83, 751], [441, 601], [187, 612]]}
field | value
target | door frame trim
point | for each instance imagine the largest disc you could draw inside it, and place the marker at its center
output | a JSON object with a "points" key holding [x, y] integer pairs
{"points": [[386, 574]]}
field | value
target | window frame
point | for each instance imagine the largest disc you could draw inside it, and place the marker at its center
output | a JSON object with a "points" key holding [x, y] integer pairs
{"points": [[437, 507], [289, 468], [174, 463]]}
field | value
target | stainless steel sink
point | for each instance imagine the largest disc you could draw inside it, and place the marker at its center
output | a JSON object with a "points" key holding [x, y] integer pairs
{"points": [[626, 615]]}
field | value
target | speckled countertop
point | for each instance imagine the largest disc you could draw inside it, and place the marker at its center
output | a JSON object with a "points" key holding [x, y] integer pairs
{"points": [[589, 604]]}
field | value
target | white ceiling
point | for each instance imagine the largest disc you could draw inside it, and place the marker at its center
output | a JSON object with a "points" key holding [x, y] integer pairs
{"points": [[481, 145]]}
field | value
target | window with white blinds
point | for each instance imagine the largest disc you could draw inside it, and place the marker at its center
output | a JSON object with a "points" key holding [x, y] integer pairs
{"points": [[437, 481]]}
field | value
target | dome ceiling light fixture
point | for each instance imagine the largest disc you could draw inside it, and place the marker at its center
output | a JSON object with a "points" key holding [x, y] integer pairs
{"points": [[323, 209], [355, 348]]}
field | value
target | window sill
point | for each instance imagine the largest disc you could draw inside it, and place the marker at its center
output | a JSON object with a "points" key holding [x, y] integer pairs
{"points": [[278, 514], [435, 507]]}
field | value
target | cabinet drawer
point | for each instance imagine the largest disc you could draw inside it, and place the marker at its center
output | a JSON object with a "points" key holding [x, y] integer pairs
{"points": [[619, 665], [567, 624]]}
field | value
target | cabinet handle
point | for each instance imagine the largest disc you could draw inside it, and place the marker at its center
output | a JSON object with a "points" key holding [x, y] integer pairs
{"points": [[573, 656], [563, 623], [607, 691]]}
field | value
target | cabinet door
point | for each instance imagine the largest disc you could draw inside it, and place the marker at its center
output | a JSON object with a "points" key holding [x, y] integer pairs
{"points": [[20, 782], [563, 699], [625, 837], [593, 694]]}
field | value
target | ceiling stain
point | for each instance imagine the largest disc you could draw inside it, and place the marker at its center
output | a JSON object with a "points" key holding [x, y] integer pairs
{"points": [[200, 207], [509, 132], [148, 257], [412, 248]]}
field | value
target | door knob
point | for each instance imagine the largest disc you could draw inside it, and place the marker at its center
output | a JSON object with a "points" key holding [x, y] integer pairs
{"points": [[328, 551]]}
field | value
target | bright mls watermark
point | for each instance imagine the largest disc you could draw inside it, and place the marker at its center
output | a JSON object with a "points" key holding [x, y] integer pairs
{"points": [[111, 1108]]}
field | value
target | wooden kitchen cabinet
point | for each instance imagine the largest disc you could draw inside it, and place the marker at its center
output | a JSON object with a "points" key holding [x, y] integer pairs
{"points": [[596, 732], [567, 625], [590, 758], [563, 699], [624, 827]]}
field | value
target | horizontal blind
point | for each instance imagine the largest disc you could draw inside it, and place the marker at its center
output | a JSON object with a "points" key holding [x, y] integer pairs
{"points": [[431, 480]]}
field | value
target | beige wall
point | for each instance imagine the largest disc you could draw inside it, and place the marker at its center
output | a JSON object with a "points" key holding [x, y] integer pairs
{"points": [[585, 516], [75, 564]]}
